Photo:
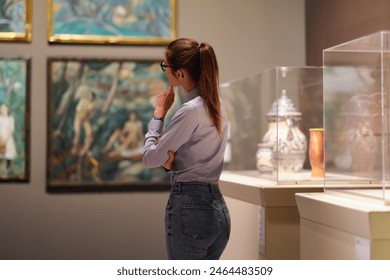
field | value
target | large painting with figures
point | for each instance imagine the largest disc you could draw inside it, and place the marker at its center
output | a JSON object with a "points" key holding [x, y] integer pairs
{"points": [[98, 113]]}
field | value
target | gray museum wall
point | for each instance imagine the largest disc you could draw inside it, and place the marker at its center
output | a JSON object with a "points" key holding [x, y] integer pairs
{"points": [[350, 19], [249, 36]]}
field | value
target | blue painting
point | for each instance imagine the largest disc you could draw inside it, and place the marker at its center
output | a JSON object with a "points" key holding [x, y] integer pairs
{"points": [[112, 21], [15, 20]]}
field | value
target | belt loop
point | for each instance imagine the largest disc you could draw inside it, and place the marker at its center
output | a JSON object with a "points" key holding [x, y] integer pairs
{"points": [[180, 187], [211, 188]]}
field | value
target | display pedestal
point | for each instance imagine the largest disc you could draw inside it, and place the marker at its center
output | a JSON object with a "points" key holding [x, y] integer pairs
{"points": [[265, 218], [348, 224]]}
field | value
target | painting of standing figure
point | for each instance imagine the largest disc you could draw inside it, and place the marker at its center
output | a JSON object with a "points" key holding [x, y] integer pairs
{"points": [[112, 21], [98, 113], [14, 121]]}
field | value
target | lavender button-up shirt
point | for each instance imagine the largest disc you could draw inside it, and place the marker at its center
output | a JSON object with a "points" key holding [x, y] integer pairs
{"points": [[191, 135]]}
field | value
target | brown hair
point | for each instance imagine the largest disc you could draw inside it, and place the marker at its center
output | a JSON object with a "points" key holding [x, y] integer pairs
{"points": [[201, 63]]}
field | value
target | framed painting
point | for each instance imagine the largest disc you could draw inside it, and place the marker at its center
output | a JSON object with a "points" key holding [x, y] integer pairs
{"points": [[98, 113], [14, 119], [112, 21], [15, 20]]}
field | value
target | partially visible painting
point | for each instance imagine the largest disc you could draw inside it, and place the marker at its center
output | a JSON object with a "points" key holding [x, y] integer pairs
{"points": [[112, 21], [98, 113], [14, 119], [15, 20]]}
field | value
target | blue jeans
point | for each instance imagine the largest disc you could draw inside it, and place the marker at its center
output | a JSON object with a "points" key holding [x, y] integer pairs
{"points": [[197, 222]]}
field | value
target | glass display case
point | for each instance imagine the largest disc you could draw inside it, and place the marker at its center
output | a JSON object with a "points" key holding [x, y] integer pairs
{"points": [[271, 114], [356, 115]]}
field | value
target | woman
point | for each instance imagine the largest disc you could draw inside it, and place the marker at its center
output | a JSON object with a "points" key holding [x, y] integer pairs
{"points": [[129, 137], [192, 147], [85, 110], [7, 142]]}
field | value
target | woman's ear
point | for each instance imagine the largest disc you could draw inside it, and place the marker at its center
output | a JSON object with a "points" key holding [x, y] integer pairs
{"points": [[181, 74]]}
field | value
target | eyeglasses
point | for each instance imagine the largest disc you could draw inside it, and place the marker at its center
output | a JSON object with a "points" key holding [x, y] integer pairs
{"points": [[163, 66]]}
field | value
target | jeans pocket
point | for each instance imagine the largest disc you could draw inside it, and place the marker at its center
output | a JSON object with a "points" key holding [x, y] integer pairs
{"points": [[169, 204], [198, 221]]}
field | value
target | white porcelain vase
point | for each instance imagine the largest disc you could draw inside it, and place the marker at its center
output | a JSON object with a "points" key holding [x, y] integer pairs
{"points": [[289, 144]]}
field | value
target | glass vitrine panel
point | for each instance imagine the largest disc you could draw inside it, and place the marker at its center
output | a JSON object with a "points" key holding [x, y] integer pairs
{"points": [[271, 114], [356, 114]]}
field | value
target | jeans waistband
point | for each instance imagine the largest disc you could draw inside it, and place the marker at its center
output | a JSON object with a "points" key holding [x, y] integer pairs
{"points": [[195, 186]]}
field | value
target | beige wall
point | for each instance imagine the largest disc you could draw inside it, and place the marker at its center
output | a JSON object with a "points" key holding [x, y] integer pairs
{"points": [[248, 36]]}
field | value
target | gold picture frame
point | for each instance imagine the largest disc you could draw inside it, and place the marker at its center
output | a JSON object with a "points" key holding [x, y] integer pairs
{"points": [[16, 21], [146, 22]]}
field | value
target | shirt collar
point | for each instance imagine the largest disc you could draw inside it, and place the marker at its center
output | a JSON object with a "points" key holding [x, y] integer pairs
{"points": [[193, 93]]}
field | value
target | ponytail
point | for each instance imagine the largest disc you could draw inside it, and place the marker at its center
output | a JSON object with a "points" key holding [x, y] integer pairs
{"points": [[209, 84]]}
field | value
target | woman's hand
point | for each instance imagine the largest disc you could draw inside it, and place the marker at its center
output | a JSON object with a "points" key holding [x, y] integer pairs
{"points": [[164, 102], [168, 165]]}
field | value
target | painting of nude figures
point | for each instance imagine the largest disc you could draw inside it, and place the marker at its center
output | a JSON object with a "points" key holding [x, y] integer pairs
{"points": [[98, 114], [112, 21], [14, 119]]}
